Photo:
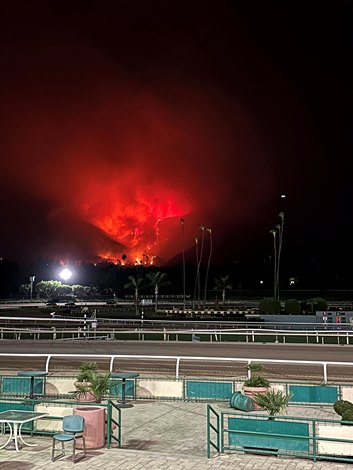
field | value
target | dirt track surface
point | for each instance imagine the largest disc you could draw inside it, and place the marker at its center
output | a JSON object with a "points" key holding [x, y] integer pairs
{"points": [[194, 367]]}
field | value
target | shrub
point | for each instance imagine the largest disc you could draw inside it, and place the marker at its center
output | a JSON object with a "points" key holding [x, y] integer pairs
{"points": [[312, 305], [270, 305], [293, 307], [321, 304], [345, 409], [342, 406], [348, 416]]}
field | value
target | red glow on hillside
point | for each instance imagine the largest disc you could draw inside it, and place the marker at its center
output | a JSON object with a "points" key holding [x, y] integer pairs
{"points": [[115, 162], [130, 211]]}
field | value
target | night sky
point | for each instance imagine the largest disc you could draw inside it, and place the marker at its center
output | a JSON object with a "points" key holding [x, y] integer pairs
{"points": [[120, 118]]}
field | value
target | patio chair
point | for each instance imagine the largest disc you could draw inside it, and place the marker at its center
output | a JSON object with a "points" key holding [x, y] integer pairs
{"points": [[73, 427]]}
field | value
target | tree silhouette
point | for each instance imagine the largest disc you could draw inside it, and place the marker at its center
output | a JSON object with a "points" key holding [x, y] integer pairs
{"points": [[135, 283], [223, 284], [47, 288], [208, 266], [157, 280], [198, 261], [183, 253]]}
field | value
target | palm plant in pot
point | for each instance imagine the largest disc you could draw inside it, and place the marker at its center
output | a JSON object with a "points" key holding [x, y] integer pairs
{"points": [[274, 401], [91, 386], [256, 383]]}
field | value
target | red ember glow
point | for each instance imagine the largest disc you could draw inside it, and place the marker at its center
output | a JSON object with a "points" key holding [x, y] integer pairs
{"points": [[130, 211], [116, 162]]}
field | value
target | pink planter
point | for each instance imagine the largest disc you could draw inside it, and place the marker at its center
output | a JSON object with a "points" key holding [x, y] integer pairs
{"points": [[251, 391], [94, 432]]}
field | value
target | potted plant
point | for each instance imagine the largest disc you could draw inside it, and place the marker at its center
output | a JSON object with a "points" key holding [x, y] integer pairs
{"points": [[256, 383], [91, 386], [274, 401]]}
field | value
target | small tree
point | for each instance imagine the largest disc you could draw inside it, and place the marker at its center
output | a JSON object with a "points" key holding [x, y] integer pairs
{"points": [[25, 290], [135, 283], [78, 290], [156, 281], [222, 284], [315, 304], [64, 290], [270, 305], [293, 307], [47, 289]]}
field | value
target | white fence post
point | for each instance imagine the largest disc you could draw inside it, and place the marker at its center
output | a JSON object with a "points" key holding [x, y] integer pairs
{"points": [[47, 364], [111, 364], [324, 364], [177, 367]]}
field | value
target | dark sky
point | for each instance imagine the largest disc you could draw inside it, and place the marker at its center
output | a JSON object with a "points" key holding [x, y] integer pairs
{"points": [[119, 118]]}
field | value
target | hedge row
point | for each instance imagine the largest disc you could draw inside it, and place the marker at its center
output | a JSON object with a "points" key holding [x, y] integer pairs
{"points": [[292, 306]]}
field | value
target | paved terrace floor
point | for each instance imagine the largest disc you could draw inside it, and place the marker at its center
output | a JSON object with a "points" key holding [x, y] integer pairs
{"points": [[165, 435]]}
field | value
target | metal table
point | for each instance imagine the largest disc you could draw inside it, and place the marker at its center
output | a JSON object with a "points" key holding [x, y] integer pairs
{"points": [[123, 376], [15, 419], [32, 374]]}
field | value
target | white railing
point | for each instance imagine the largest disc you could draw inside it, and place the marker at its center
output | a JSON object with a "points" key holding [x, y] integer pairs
{"points": [[251, 336], [177, 359]]}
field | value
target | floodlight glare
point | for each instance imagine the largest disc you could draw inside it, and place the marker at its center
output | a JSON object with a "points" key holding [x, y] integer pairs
{"points": [[65, 274]]}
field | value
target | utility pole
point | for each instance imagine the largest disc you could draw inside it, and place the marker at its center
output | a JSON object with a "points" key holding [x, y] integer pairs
{"points": [[183, 252], [274, 233], [31, 280], [280, 230], [277, 254]]}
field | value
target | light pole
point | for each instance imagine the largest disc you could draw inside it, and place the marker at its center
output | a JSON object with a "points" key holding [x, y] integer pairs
{"points": [[183, 251], [31, 280], [274, 233], [280, 230], [208, 267], [197, 269], [202, 228]]}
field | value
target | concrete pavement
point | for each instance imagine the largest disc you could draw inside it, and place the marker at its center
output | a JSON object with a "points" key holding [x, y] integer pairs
{"points": [[164, 435]]}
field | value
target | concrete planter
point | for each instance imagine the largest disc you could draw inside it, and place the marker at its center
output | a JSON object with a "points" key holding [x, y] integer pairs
{"points": [[86, 396], [94, 430], [251, 391]]}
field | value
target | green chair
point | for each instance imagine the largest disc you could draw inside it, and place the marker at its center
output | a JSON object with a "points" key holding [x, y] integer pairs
{"points": [[73, 427]]}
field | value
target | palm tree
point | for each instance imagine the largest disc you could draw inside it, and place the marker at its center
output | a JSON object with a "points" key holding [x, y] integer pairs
{"points": [[208, 266], [197, 268], [202, 227], [157, 281], [183, 251], [280, 230], [274, 401], [223, 284], [135, 283], [274, 233]]}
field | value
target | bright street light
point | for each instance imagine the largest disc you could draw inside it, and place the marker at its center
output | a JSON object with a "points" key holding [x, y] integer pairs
{"points": [[65, 274]]}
